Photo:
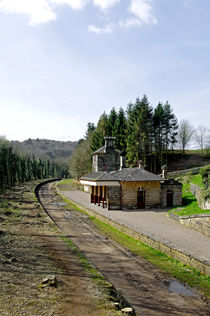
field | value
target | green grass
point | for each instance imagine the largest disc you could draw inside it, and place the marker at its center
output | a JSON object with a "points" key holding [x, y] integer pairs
{"points": [[197, 179], [175, 268], [190, 205], [69, 185]]}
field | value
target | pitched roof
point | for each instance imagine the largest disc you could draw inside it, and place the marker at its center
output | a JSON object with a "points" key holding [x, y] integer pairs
{"points": [[126, 174], [99, 176], [101, 150], [136, 174]]}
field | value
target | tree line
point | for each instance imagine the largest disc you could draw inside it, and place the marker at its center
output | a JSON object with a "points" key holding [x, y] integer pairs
{"points": [[143, 132], [16, 168]]}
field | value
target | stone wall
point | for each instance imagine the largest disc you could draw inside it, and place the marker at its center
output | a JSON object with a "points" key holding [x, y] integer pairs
{"points": [[106, 162], [197, 192], [177, 193], [152, 194], [114, 198], [183, 172], [199, 222], [98, 163]]}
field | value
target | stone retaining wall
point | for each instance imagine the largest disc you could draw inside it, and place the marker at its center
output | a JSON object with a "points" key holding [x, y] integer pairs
{"points": [[199, 222], [183, 172], [197, 192]]}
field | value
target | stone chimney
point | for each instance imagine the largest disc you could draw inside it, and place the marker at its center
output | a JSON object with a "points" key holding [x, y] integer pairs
{"points": [[164, 168], [140, 164], [109, 142]]}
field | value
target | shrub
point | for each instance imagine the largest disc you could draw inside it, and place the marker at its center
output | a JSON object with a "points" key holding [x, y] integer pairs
{"points": [[205, 172]]}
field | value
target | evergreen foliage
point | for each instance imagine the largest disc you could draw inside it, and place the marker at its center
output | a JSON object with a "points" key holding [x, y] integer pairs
{"points": [[100, 132], [15, 168], [143, 132]]}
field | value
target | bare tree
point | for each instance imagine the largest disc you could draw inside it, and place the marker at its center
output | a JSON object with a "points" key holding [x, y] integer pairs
{"points": [[200, 137], [185, 134], [80, 162]]}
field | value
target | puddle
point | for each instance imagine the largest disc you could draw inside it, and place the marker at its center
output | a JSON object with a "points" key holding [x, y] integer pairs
{"points": [[177, 287]]}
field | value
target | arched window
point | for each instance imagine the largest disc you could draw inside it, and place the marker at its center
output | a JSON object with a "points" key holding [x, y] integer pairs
{"points": [[140, 198]]}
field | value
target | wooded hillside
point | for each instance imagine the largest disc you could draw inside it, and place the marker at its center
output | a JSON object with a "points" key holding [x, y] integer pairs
{"points": [[45, 148]]}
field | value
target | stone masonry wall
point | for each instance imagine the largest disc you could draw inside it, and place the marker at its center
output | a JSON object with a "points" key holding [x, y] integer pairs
{"points": [[200, 222], [177, 194], [114, 198], [152, 194], [197, 192], [98, 163]]}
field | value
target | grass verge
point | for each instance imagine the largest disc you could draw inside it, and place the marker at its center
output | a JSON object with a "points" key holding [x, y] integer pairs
{"points": [[172, 267], [190, 205]]}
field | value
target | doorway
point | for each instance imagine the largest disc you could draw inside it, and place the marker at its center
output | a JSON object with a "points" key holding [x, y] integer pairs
{"points": [[140, 198], [169, 198]]}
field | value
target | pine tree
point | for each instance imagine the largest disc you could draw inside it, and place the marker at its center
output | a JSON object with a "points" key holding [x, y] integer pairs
{"points": [[139, 131], [171, 127], [111, 123], [100, 132], [158, 129], [131, 142], [121, 130]]}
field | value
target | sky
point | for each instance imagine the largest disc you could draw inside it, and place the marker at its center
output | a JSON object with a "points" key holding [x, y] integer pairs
{"points": [[64, 62]]}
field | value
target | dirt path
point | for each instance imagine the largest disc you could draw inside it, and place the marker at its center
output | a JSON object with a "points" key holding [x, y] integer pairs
{"points": [[137, 280]]}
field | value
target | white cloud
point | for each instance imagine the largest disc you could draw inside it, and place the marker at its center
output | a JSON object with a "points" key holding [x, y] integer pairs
{"points": [[43, 11], [108, 29], [38, 10], [105, 4], [74, 4], [130, 23], [142, 9]]}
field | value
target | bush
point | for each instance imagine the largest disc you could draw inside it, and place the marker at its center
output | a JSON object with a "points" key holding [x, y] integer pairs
{"points": [[205, 172]]}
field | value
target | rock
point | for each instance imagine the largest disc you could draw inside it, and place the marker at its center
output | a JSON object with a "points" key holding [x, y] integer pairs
{"points": [[13, 259], [8, 213], [127, 311], [116, 305], [49, 280]]}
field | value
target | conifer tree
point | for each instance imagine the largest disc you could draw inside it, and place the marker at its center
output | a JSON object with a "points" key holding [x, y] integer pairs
{"points": [[121, 130], [99, 133], [111, 123]]}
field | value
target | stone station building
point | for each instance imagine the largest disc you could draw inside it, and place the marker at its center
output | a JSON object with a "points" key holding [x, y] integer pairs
{"points": [[115, 187]]}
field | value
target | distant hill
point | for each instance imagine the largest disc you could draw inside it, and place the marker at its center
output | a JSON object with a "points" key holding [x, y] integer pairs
{"points": [[45, 148]]}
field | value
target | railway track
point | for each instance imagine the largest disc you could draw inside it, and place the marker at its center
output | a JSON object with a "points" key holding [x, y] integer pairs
{"points": [[137, 280]]}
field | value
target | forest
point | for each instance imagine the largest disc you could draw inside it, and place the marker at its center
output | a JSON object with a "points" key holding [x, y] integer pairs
{"points": [[16, 168], [142, 132]]}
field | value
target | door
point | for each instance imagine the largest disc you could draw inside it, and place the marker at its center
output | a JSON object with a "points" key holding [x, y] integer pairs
{"points": [[140, 198], [169, 198]]}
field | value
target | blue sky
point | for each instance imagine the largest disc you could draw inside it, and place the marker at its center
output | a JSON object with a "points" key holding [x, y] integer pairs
{"points": [[63, 62]]}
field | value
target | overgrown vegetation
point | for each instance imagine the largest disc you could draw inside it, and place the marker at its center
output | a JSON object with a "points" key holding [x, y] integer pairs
{"points": [[190, 205], [205, 175]]}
